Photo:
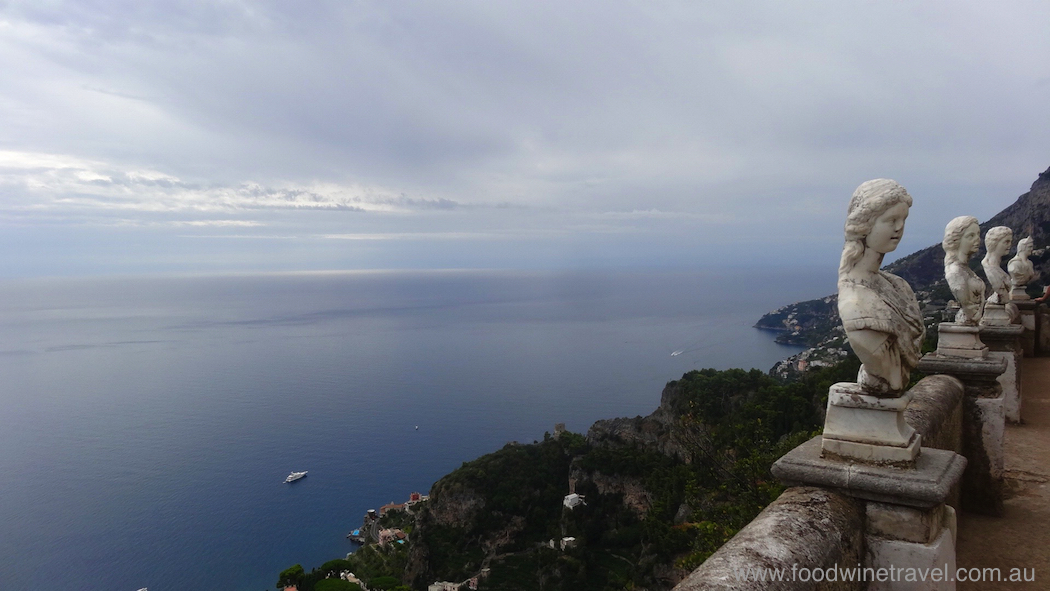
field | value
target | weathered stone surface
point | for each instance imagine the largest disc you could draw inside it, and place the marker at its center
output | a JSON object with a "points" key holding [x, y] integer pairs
{"points": [[1028, 321], [935, 412], [868, 428], [927, 484], [805, 527], [1004, 343], [902, 538], [884, 553], [997, 242], [983, 428], [971, 372], [907, 524], [879, 311], [1001, 338], [960, 340], [884, 325], [1021, 269], [962, 239], [998, 315]]}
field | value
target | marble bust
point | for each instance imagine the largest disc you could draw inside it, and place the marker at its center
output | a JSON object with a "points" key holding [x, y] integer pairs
{"points": [[1020, 268], [962, 239], [997, 241], [879, 311]]}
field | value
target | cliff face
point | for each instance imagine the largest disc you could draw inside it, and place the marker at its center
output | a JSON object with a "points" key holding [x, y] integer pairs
{"points": [[661, 431], [660, 492]]}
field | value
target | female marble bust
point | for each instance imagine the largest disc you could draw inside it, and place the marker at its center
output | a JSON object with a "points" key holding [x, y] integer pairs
{"points": [[879, 312], [962, 238], [1021, 269], [997, 241]]}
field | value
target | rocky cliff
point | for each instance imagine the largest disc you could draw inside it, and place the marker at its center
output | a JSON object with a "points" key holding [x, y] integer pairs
{"points": [[660, 492]]}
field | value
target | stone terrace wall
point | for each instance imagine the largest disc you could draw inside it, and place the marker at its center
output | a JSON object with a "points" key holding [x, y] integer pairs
{"points": [[805, 527], [935, 412], [813, 527]]}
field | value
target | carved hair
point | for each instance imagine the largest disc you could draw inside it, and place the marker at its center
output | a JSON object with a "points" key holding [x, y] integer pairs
{"points": [[869, 201], [953, 235], [995, 238]]}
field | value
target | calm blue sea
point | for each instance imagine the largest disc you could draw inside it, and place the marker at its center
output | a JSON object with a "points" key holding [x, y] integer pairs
{"points": [[147, 424]]}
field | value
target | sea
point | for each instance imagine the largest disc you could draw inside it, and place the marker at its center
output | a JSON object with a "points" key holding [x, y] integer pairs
{"points": [[147, 424]]}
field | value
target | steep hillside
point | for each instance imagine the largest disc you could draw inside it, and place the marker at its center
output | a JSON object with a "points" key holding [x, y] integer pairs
{"points": [[660, 492]]}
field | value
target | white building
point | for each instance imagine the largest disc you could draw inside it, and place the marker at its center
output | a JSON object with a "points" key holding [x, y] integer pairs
{"points": [[572, 501]]}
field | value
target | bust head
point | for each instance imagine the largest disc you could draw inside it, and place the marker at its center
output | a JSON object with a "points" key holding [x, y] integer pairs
{"points": [[870, 223], [962, 238], [1025, 247], [998, 240]]}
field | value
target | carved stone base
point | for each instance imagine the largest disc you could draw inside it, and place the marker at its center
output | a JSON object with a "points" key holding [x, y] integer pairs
{"points": [[907, 524], [960, 340], [997, 315], [1019, 293], [867, 428], [926, 484]]}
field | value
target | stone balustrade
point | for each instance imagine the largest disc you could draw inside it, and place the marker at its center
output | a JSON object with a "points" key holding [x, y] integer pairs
{"points": [[806, 527], [809, 528], [962, 408]]}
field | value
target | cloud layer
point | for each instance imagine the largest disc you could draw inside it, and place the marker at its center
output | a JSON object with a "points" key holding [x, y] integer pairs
{"points": [[690, 132]]}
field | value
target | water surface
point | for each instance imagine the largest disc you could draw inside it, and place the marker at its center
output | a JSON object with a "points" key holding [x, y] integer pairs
{"points": [[147, 424]]}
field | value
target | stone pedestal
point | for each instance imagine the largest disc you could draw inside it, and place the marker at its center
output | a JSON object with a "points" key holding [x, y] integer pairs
{"points": [[1019, 293], [868, 428], [984, 426], [1004, 342], [960, 340], [919, 538], [998, 315], [1027, 308], [907, 523]]}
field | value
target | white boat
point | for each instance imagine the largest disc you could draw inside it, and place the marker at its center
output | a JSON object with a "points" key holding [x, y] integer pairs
{"points": [[295, 476]]}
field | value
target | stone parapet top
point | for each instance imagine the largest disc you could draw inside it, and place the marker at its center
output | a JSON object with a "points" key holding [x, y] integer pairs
{"points": [[805, 527], [962, 367], [1009, 331], [934, 400], [925, 485]]}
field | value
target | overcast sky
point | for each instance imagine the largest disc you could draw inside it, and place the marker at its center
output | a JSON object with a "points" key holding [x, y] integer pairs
{"points": [[167, 136]]}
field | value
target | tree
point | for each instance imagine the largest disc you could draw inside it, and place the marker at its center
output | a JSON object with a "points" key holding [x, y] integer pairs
{"points": [[290, 576]]}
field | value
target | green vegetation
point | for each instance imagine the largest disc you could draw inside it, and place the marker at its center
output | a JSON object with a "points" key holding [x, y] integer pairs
{"points": [[378, 567], [648, 510], [662, 493]]}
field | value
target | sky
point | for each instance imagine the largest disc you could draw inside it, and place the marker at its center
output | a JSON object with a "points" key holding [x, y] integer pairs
{"points": [[239, 136]]}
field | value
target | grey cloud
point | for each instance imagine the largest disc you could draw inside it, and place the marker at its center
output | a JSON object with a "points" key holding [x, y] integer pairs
{"points": [[480, 113]]}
